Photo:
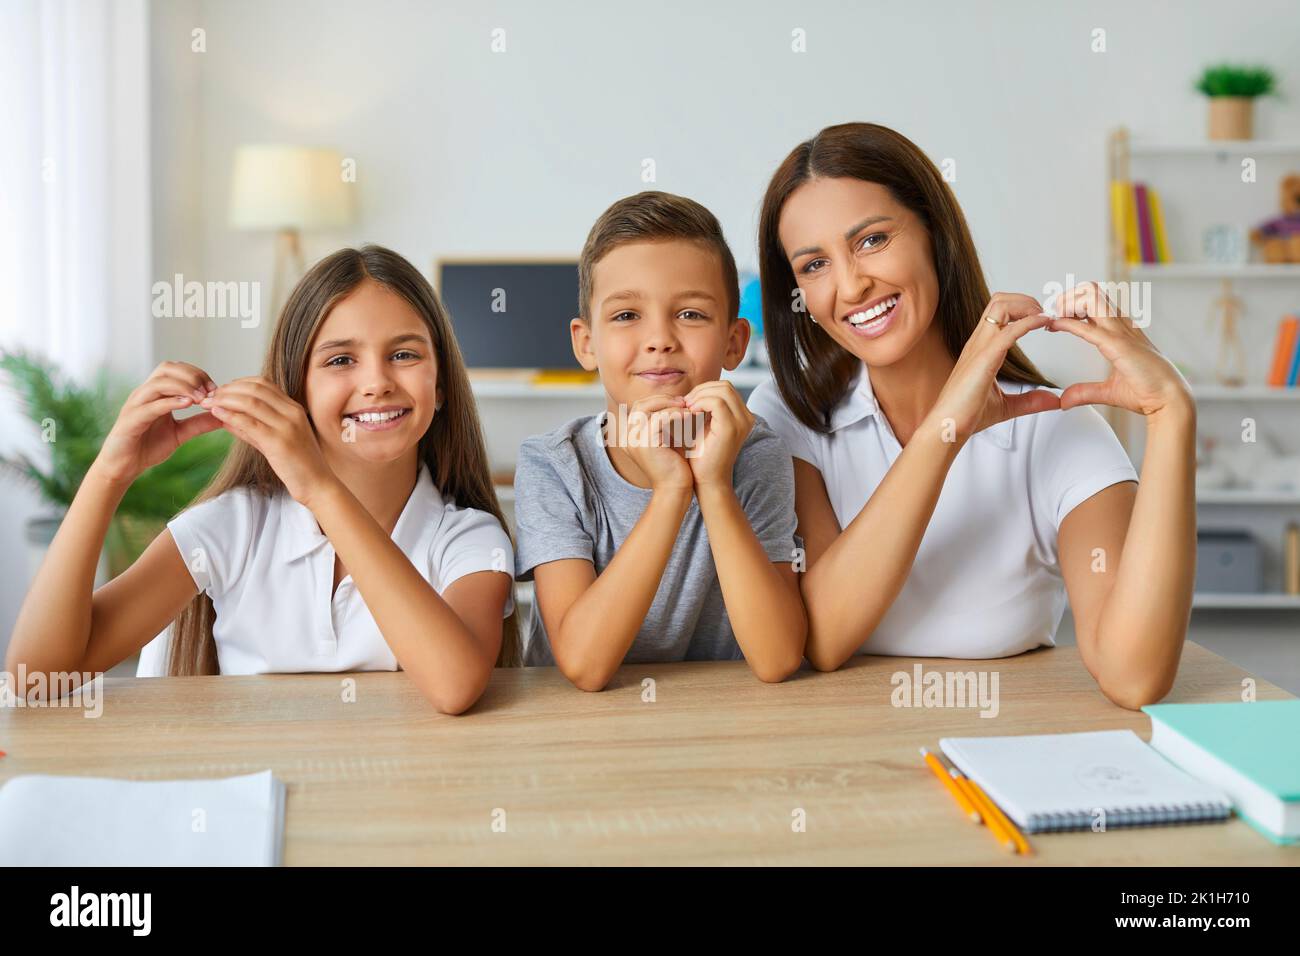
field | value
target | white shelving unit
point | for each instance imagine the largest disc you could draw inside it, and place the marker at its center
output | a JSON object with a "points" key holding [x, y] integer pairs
{"points": [[1248, 496], [1252, 504], [1244, 393], [1223, 149], [743, 378], [1211, 270], [1243, 602]]}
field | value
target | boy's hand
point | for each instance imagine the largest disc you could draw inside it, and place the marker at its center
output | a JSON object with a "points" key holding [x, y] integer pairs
{"points": [[728, 424], [145, 432], [257, 411], [654, 424]]}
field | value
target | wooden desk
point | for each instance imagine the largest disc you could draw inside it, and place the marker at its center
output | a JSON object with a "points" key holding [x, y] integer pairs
{"points": [[711, 772]]}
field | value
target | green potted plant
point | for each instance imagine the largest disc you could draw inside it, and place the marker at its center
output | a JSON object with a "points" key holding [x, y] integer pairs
{"points": [[1232, 91], [73, 421]]}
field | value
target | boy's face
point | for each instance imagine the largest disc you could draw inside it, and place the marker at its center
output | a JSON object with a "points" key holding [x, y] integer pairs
{"points": [[659, 322]]}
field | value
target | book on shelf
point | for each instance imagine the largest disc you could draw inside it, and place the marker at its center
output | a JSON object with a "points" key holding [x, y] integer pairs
{"points": [[1138, 223], [1285, 368], [1158, 225]]}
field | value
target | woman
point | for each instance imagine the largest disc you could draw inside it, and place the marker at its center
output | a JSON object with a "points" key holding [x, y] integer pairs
{"points": [[948, 497]]}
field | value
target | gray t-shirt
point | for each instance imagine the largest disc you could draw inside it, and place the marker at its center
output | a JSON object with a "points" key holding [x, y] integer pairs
{"points": [[571, 503]]}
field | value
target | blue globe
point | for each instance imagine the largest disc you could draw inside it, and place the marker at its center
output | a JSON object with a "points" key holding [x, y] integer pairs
{"points": [[751, 303]]}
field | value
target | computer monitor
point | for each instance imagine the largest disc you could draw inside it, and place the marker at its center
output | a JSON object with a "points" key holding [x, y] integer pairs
{"points": [[511, 314]]}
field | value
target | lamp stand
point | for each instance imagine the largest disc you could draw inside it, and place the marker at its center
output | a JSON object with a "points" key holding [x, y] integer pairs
{"points": [[288, 259]]}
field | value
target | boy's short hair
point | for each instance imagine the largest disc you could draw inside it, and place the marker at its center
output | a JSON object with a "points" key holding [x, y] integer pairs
{"points": [[650, 216]]}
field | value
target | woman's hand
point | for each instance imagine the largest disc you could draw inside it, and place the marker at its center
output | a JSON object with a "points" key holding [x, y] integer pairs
{"points": [[971, 400], [713, 457], [145, 433], [654, 426], [256, 411], [1141, 379]]}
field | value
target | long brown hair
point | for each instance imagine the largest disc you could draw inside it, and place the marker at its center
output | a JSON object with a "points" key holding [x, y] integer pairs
{"points": [[453, 448], [812, 370]]}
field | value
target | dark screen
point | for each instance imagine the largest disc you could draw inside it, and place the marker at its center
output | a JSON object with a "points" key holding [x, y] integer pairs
{"points": [[533, 330]]}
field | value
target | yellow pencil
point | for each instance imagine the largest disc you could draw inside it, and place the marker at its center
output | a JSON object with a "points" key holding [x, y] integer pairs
{"points": [[1022, 845], [977, 797], [963, 801]]}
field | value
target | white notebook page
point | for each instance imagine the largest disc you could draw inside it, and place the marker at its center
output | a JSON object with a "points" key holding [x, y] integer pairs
{"points": [[1062, 781]]}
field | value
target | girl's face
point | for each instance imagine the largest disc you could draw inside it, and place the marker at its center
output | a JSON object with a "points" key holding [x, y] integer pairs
{"points": [[372, 377], [864, 265]]}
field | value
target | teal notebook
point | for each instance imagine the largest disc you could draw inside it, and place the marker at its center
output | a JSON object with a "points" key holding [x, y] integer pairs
{"points": [[1251, 751]]}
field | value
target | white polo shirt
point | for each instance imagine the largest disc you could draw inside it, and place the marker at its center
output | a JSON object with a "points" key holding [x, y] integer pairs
{"points": [[986, 581], [268, 569]]}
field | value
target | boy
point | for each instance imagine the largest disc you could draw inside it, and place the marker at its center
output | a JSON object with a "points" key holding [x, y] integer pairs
{"points": [[662, 530]]}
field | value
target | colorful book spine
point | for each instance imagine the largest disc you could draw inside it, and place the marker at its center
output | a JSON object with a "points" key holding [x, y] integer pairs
{"points": [[1131, 226], [1144, 223], [1293, 376], [1158, 225], [1284, 350], [1119, 199]]}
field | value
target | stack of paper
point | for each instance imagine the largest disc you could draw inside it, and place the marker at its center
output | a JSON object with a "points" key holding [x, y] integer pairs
{"points": [[92, 821]]}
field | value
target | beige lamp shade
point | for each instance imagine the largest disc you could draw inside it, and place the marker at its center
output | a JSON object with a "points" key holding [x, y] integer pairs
{"points": [[289, 187]]}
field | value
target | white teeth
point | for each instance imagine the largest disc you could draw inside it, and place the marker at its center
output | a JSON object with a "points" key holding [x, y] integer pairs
{"points": [[376, 416], [860, 318]]}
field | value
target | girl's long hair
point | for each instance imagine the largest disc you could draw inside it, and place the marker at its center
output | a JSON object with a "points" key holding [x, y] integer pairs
{"points": [[812, 370], [453, 448]]}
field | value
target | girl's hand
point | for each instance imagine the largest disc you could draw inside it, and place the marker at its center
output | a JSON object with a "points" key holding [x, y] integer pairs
{"points": [[971, 400], [729, 424], [653, 425], [145, 432], [1141, 379], [256, 411]]}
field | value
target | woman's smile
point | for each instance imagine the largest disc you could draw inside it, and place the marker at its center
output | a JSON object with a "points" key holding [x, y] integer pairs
{"points": [[876, 318]]}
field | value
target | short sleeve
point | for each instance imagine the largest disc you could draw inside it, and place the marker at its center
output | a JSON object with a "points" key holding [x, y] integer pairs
{"points": [[548, 521], [214, 538], [468, 541], [764, 479], [800, 440], [1075, 455]]}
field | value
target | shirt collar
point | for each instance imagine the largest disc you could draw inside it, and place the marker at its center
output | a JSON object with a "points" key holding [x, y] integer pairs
{"points": [[300, 533], [860, 402]]}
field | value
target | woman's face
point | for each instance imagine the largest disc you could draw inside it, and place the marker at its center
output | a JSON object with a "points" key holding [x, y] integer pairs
{"points": [[864, 265]]}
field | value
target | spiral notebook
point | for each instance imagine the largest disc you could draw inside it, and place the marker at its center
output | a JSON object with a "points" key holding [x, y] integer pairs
{"points": [[1073, 781]]}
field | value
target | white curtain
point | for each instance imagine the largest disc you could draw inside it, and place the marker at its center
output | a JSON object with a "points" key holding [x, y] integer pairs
{"points": [[74, 212]]}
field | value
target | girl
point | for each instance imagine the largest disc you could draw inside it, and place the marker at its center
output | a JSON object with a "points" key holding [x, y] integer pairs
{"points": [[947, 496], [353, 526]]}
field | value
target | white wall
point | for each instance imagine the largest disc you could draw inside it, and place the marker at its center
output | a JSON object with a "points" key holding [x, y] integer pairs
{"points": [[463, 151]]}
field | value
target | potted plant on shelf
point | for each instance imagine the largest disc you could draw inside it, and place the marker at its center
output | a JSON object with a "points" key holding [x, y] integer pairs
{"points": [[74, 420], [1232, 91]]}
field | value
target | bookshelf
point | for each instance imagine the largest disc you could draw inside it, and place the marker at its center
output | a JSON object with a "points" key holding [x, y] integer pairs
{"points": [[1245, 393], [1264, 512], [1246, 602], [744, 379], [1220, 149], [1203, 270]]}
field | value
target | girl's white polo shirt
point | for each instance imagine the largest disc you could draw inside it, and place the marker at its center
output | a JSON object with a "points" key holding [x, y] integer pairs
{"points": [[268, 569], [986, 581]]}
